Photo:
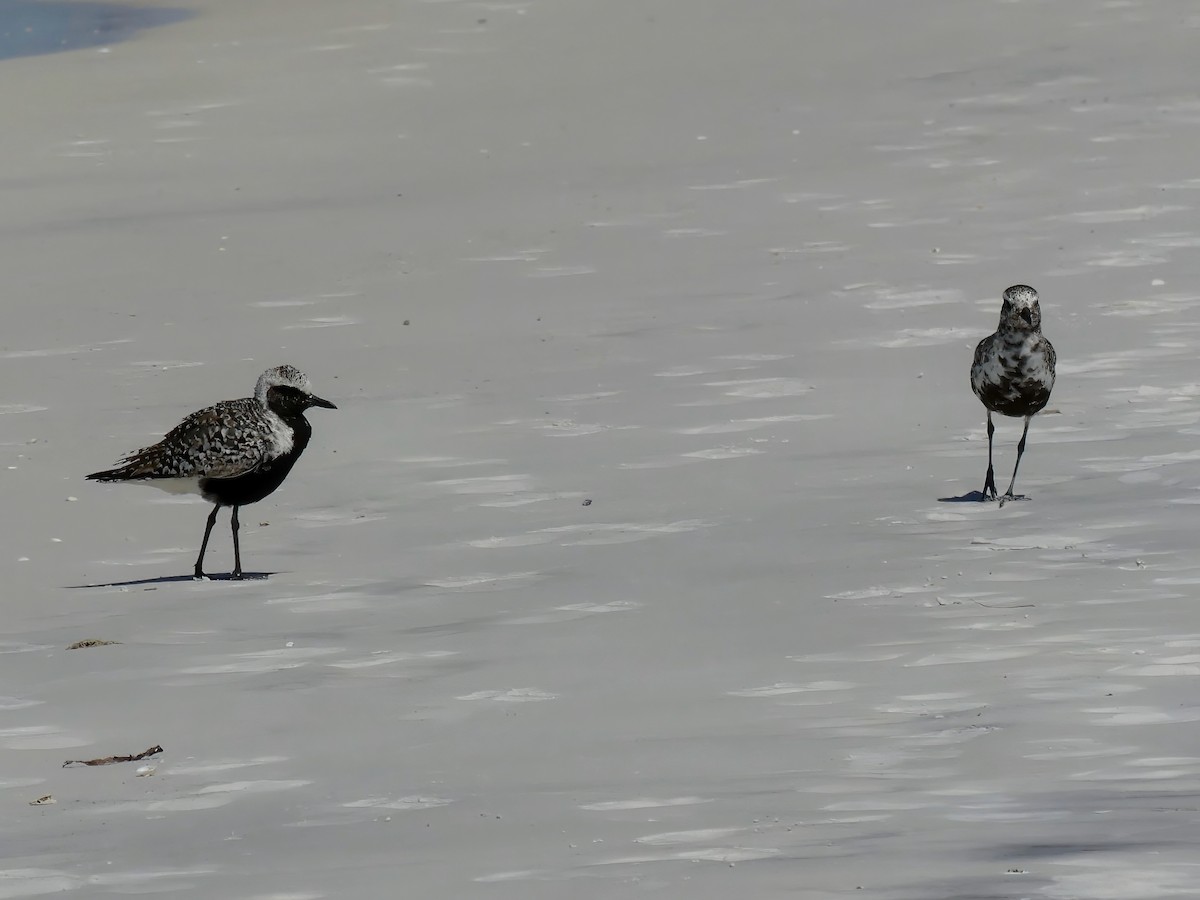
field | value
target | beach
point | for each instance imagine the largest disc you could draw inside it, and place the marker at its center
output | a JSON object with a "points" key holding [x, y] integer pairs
{"points": [[636, 559]]}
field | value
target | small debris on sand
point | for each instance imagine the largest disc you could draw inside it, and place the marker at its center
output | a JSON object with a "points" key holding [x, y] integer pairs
{"points": [[91, 642], [109, 760]]}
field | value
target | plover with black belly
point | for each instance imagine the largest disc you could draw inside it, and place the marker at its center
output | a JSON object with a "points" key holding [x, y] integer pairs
{"points": [[231, 454], [1013, 372]]}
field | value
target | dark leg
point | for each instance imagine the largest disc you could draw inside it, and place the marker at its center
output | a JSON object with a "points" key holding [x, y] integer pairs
{"points": [[212, 520], [237, 553], [1020, 450], [989, 483]]}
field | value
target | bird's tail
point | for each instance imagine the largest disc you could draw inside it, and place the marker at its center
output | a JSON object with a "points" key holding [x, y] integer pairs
{"points": [[133, 468], [124, 473]]}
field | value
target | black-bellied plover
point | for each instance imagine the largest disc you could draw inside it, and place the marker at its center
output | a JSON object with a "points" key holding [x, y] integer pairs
{"points": [[1013, 372], [231, 454]]}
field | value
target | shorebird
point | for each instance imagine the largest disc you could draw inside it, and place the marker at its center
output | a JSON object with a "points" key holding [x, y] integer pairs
{"points": [[231, 454], [1013, 372]]}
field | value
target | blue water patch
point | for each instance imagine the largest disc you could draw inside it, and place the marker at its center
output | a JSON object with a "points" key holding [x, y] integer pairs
{"points": [[34, 27]]}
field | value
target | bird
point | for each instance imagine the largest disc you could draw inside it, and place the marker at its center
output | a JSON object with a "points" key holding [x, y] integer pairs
{"points": [[1013, 373], [232, 453]]}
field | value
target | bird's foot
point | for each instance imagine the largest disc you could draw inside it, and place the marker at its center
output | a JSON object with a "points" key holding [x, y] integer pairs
{"points": [[199, 576], [989, 486], [236, 575], [1012, 496]]}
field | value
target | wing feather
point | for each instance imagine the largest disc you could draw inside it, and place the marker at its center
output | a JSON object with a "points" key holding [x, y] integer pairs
{"points": [[221, 441]]}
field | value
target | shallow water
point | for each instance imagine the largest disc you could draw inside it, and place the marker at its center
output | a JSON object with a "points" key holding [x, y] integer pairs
{"points": [[31, 29]]}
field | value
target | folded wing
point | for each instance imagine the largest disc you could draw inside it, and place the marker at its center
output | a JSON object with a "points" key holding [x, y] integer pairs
{"points": [[222, 441]]}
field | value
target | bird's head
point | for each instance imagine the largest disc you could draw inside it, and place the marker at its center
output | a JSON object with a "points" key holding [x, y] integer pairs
{"points": [[286, 389], [1021, 311]]}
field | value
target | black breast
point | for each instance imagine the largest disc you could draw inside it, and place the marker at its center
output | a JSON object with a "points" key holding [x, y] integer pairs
{"points": [[1017, 398], [262, 480]]}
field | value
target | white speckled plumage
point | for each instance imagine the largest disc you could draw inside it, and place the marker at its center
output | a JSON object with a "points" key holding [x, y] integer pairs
{"points": [[1013, 370]]}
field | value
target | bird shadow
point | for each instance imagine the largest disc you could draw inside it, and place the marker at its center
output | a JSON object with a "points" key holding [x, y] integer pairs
{"points": [[969, 497], [175, 579], [978, 497]]}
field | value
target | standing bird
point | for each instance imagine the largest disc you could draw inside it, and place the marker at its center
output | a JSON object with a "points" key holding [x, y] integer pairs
{"points": [[1013, 372], [231, 454]]}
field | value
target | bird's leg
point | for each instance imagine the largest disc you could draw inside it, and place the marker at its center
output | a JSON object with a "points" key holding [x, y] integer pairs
{"points": [[990, 481], [212, 520], [1020, 450], [237, 553]]}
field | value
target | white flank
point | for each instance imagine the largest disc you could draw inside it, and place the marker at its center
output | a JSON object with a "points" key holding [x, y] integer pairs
{"points": [[189, 485], [281, 439]]}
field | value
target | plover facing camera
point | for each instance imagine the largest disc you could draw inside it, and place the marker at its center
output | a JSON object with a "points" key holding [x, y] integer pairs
{"points": [[1013, 373], [231, 454]]}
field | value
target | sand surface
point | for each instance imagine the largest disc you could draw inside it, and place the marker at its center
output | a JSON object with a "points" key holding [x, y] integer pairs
{"points": [[716, 267]]}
